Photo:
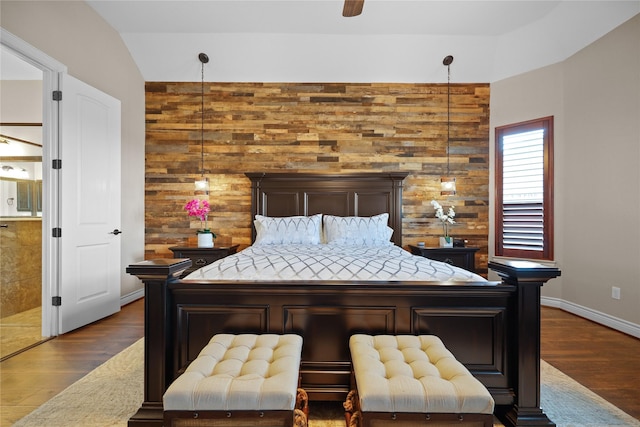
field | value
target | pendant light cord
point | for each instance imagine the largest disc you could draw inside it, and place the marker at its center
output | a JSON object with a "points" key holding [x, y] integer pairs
{"points": [[202, 120], [448, 112]]}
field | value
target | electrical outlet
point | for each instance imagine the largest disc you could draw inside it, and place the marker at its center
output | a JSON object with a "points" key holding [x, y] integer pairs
{"points": [[615, 292]]}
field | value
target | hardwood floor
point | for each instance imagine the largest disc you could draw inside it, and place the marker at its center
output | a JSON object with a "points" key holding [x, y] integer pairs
{"points": [[19, 331], [32, 377], [604, 360]]}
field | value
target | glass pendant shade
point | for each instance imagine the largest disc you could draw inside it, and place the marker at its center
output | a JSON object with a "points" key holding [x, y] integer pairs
{"points": [[202, 186], [447, 186]]}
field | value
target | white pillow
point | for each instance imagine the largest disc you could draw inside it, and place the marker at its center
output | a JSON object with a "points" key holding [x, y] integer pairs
{"points": [[297, 230], [357, 230]]}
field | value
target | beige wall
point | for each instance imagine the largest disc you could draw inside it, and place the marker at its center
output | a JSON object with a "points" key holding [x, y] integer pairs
{"points": [[595, 99], [21, 101], [73, 34]]}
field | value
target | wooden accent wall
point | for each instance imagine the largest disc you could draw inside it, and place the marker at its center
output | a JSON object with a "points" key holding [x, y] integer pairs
{"points": [[313, 127]]}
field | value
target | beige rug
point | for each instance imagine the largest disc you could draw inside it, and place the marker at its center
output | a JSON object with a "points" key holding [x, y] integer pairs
{"points": [[113, 392]]}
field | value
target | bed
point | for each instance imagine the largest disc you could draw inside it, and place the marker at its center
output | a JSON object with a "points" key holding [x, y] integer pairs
{"points": [[491, 327]]}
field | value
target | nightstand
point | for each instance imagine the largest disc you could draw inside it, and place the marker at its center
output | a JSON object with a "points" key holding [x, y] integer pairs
{"points": [[201, 256], [460, 257]]}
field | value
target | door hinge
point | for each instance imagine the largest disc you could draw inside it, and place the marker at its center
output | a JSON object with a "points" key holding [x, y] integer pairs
{"points": [[57, 95], [56, 301], [57, 232], [57, 164]]}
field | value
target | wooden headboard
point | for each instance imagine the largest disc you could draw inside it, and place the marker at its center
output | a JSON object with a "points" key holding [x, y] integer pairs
{"points": [[357, 194]]}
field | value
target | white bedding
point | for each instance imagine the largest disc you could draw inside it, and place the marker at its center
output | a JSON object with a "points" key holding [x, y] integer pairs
{"points": [[331, 262]]}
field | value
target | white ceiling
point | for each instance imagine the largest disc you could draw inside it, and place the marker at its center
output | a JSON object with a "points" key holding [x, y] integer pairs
{"points": [[392, 41]]}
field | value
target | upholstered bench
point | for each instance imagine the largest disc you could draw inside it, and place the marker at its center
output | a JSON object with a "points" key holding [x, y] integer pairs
{"points": [[239, 380], [413, 380]]}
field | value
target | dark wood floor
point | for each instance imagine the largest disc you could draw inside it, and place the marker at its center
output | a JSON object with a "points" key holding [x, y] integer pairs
{"points": [[604, 360], [29, 379]]}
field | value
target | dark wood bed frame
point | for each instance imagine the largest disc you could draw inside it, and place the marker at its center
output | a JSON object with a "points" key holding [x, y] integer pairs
{"points": [[491, 327]]}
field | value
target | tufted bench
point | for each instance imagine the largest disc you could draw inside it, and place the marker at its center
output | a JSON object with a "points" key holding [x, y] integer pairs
{"points": [[413, 380], [239, 380]]}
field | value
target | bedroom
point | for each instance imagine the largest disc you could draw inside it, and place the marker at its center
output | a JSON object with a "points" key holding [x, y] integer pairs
{"points": [[559, 89], [558, 93]]}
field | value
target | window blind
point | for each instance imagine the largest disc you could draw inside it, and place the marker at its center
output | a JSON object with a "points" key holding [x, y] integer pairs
{"points": [[523, 190]]}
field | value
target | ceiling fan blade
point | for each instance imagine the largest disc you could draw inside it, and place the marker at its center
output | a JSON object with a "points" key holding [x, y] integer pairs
{"points": [[352, 7]]}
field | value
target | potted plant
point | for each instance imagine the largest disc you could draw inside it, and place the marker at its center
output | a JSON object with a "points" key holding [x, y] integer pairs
{"points": [[447, 219], [200, 209]]}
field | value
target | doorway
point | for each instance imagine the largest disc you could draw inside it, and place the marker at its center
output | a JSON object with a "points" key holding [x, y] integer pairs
{"points": [[82, 286], [21, 213]]}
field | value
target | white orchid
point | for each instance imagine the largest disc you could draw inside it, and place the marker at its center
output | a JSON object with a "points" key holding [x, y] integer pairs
{"points": [[446, 219]]}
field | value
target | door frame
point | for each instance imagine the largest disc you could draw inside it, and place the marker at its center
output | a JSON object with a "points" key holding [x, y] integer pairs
{"points": [[52, 71]]}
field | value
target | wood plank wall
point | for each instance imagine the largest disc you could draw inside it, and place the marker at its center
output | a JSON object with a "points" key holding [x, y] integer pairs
{"points": [[313, 127]]}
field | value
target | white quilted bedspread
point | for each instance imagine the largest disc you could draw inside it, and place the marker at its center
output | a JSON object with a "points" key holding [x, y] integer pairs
{"points": [[330, 262]]}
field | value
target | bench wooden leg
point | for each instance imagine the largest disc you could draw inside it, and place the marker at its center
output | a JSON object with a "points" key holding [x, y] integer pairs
{"points": [[352, 414], [301, 411]]}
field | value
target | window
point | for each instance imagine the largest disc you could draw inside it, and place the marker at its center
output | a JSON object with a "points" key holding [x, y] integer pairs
{"points": [[524, 190]]}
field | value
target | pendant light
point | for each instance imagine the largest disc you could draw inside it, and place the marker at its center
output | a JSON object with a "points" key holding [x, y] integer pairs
{"points": [[202, 184], [448, 183]]}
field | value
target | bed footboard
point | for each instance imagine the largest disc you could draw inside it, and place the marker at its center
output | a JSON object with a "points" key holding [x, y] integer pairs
{"points": [[491, 327]]}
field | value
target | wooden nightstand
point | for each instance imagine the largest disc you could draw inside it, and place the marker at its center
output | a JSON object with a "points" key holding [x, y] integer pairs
{"points": [[460, 257], [201, 256]]}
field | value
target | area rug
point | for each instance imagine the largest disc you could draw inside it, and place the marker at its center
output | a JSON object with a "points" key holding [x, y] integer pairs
{"points": [[112, 392]]}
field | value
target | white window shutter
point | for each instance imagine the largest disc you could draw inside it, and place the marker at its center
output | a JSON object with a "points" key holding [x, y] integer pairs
{"points": [[523, 191]]}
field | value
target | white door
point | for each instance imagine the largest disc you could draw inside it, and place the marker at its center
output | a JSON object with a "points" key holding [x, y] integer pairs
{"points": [[90, 205]]}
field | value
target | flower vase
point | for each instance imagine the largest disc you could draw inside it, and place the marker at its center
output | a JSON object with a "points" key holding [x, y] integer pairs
{"points": [[446, 242], [205, 240]]}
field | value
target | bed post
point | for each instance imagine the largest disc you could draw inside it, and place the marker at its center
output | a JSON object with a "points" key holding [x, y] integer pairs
{"points": [[397, 180], [529, 277], [255, 198], [156, 276]]}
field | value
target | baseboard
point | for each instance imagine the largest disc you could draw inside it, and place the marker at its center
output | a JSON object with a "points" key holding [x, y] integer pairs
{"points": [[593, 315], [131, 297]]}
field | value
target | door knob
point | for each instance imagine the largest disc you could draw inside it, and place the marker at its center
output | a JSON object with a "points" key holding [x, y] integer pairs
{"points": [[116, 232]]}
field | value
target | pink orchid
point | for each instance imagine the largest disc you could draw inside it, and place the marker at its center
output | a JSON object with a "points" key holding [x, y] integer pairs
{"points": [[200, 209]]}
